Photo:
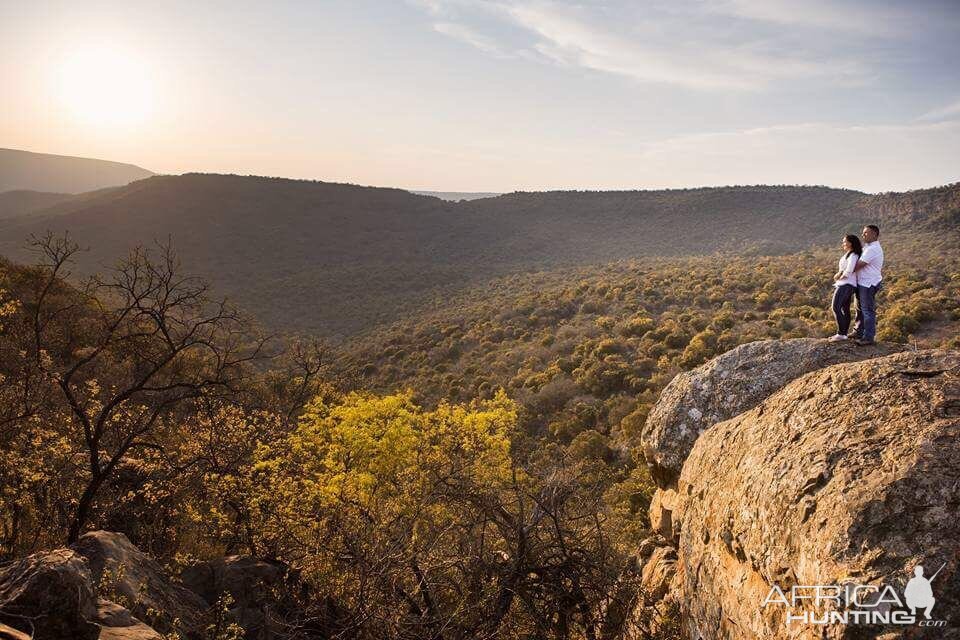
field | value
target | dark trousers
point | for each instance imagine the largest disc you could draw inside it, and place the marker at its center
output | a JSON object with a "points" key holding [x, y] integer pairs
{"points": [[865, 327], [842, 297]]}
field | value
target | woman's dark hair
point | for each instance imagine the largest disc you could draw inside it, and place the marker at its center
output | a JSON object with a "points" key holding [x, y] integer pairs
{"points": [[855, 243]]}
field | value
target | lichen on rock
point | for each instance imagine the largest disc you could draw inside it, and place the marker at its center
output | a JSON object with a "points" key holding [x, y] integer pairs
{"points": [[848, 474], [728, 385]]}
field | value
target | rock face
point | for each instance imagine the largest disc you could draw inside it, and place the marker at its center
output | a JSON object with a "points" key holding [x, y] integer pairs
{"points": [[849, 474], [143, 586], [252, 584], [727, 386], [51, 592], [135, 631], [104, 587]]}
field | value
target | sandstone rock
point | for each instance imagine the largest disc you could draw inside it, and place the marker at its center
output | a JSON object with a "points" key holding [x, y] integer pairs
{"points": [[119, 624], [637, 599], [136, 631], [727, 386], [110, 614], [52, 589], [255, 587], [848, 474], [647, 546], [144, 587], [658, 572], [243, 577], [661, 513]]}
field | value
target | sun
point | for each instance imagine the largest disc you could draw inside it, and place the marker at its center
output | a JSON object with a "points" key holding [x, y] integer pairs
{"points": [[106, 87]]}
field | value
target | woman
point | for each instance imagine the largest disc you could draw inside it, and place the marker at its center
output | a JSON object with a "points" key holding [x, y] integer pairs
{"points": [[845, 285]]}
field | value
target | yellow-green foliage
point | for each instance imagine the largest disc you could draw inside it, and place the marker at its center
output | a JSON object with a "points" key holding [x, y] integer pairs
{"points": [[376, 459], [353, 449], [414, 517]]}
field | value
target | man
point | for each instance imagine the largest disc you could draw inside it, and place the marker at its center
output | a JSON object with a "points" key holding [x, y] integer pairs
{"points": [[868, 285]]}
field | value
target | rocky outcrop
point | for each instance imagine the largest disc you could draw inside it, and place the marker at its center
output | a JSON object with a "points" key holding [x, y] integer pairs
{"points": [[104, 587], [49, 595], [254, 586], [135, 631], [127, 574], [727, 386], [849, 474], [54, 595]]}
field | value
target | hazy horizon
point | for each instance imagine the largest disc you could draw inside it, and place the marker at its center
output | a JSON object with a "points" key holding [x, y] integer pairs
{"points": [[441, 193], [468, 96]]}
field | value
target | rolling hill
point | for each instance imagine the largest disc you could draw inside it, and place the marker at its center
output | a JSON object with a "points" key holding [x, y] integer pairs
{"points": [[339, 259], [25, 170], [456, 196], [21, 202]]}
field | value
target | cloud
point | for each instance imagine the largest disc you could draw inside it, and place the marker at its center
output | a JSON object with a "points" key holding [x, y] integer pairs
{"points": [[466, 34], [869, 19], [662, 42], [572, 38], [942, 113], [569, 41]]}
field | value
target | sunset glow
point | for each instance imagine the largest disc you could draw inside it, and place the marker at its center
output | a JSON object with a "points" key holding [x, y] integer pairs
{"points": [[105, 87]]}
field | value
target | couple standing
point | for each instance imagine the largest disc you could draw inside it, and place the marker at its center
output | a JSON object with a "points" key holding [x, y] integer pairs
{"points": [[858, 277]]}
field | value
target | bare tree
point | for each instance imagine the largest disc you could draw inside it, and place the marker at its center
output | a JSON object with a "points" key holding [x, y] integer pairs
{"points": [[305, 371], [153, 341]]}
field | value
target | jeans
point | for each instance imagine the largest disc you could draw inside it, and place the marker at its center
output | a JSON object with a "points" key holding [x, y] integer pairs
{"points": [[865, 327], [842, 297]]}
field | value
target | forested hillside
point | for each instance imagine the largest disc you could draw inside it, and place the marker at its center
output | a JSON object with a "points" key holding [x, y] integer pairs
{"points": [[26, 170], [138, 404], [474, 463], [589, 348], [338, 259], [20, 202]]}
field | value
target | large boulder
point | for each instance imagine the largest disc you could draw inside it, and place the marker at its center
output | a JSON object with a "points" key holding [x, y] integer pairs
{"points": [[49, 595], [258, 590], [135, 631], [727, 386], [850, 474], [642, 594], [138, 582]]}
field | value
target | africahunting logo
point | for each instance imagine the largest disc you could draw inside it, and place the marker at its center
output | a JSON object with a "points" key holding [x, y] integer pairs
{"points": [[860, 604]]}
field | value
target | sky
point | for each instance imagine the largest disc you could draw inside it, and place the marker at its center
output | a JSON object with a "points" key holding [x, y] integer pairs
{"points": [[470, 95]]}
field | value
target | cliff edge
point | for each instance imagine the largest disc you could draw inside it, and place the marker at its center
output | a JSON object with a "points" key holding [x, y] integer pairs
{"points": [[834, 486]]}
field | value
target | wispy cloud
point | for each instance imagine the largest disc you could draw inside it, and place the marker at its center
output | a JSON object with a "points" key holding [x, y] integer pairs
{"points": [[646, 53], [871, 19], [942, 113], [815, 67], [466, 34], [665, 42]]}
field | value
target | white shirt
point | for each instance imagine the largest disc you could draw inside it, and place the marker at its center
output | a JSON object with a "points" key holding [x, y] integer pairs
{"points": [[848, 262], [870, 275]]}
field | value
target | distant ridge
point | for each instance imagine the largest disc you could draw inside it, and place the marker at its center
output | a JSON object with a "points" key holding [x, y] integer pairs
{"points": [[44, 172], [339, 259], [21, 201], [456, 196]]}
